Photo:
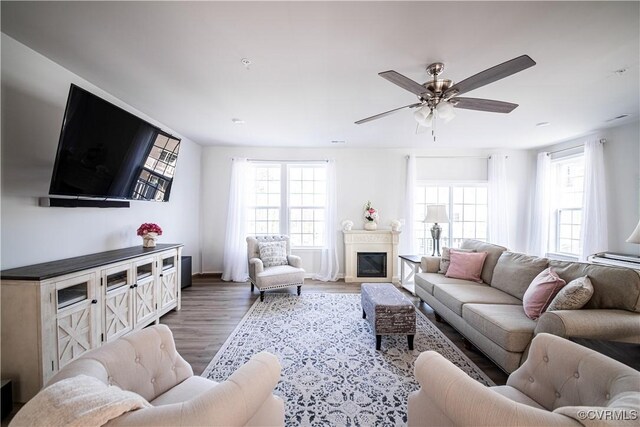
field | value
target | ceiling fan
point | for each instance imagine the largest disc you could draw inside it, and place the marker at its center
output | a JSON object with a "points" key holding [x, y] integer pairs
{"points": [[437, 98]]}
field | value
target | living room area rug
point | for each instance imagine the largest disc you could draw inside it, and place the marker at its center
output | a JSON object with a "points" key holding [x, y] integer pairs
{"points": [[331, 371]]}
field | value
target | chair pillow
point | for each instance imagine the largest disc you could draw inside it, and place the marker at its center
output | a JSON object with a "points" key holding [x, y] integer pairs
{"points": [[466, 265], [445, 259], [273, 253], [540, 292], [575, 295]]}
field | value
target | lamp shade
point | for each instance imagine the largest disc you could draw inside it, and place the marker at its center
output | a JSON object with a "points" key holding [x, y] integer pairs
{"points": [[436, 213], [635, 236]]}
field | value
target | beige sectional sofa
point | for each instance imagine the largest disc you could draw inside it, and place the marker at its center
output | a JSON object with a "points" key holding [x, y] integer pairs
{"points": [[491, 316]]}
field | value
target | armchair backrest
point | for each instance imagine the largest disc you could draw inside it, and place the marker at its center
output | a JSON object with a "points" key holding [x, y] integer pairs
{"points": [[145, 362], [253, 241], [560, 373]]}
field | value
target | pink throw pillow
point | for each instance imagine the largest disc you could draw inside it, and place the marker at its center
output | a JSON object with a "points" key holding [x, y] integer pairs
{"points": [[466, 265], [541, 292]]}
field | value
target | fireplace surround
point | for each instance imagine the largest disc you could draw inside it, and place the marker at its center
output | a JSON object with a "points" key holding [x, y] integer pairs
{"points": [[375, 245]]}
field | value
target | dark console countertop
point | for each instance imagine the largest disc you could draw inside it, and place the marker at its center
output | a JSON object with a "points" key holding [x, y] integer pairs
{"points": [[47, 270]]}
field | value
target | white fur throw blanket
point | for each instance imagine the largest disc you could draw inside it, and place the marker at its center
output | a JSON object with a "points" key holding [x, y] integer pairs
{"points": [[77, 401]]}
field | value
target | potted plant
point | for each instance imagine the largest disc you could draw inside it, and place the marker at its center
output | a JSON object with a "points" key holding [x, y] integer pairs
{"points": [[149, 233]]}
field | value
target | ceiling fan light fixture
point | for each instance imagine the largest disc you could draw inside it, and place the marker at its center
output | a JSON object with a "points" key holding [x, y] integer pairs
{"points": [[422, 113], [445, 111]]}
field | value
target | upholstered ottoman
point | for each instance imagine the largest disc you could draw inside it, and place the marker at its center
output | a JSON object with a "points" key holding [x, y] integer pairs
{"points": [[388, 311]]}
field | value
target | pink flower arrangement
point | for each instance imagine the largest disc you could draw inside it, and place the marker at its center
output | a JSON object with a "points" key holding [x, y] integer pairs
{"points": [[149, 227], [370, 214]]}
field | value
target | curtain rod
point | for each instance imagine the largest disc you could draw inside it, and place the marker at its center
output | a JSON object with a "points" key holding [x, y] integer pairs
{"points": [[452, 157], [602, 141], [288, 161]]}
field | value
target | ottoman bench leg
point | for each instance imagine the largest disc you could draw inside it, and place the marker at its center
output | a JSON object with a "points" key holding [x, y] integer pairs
{"points": [[378, 341], [410, 341], [299, 289], [364, 315]]}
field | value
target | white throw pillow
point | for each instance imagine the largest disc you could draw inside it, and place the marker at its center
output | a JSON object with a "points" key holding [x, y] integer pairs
{"points": [[273, 253], [573, 296]]}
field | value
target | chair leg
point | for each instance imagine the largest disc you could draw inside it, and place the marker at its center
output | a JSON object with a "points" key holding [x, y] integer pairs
{"points": [[378, 341], [299, 289], [410, 341], [364, 315], [261, 295], [252, 286]]}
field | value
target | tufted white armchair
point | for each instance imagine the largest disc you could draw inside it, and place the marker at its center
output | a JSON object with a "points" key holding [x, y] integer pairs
{"points": [[560, 384], [147, 363], [280, 276]]}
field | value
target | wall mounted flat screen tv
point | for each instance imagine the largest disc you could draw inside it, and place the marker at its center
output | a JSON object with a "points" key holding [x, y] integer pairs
{"points": [[107, 152]]}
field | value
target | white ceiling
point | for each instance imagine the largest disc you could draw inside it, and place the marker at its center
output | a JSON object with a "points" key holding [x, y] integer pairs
{"points": [[314, 65]]}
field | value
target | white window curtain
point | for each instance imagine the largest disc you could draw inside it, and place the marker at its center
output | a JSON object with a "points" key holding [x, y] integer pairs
{"points": [[594, 234], [540, 211], [407, 240], [329, 264], [234, 260], [498, 200]]}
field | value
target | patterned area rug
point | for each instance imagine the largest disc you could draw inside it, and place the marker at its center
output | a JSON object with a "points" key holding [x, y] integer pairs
{"points": [[331, 371]]}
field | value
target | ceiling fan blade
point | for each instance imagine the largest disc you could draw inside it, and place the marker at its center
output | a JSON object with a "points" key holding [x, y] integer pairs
{"points": [[406, 83], [491, 75], [386, 113], [483, 105]]}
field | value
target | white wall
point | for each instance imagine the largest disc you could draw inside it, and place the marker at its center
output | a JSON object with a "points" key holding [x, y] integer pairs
{"points": [[34, 93], [622, 169], [372, 174]]}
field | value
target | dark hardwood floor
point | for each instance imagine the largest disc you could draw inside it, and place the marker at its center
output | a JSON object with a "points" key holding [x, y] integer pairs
{"points": [[211, 309]]}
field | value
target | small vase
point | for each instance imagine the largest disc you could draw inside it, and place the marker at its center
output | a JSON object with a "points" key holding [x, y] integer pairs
{"points": [[370, 225], [149, 240]]}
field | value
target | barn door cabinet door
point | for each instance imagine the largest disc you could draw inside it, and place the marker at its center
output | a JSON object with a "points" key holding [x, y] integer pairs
{"points": [[169, 285], [76, 317], [117, 284], [144, 292]]}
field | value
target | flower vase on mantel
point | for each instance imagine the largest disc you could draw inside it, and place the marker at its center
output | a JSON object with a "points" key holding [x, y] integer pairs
{"points": [[370, 217], [149, 240]]}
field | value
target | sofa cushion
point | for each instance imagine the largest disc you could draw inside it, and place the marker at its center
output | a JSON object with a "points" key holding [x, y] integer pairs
{"points": [[516, 395], [186, 390], [445, 259], [541, 292], [280, 275], [427, 280], [573, 296], [273, 253], [493, 253], [466, 265], [455, 296], [506, 325], [515, 272], [613, 287]]}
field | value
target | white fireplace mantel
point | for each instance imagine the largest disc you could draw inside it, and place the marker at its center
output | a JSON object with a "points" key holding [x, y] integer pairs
{"points": [[371, 241]]}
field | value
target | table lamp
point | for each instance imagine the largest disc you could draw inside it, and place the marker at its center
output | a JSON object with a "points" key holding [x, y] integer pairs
{"points": [[436, 214], [635, 236]]}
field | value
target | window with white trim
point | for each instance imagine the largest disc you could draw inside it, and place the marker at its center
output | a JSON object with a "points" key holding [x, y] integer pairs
{"points": [[566, 219], [288, 199], [467, 210]]}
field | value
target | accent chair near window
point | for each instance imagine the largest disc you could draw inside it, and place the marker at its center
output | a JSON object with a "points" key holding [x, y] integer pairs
{"points": [[270, 270]]}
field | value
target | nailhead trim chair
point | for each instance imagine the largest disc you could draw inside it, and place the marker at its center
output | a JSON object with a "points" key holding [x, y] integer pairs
{"points": [[280, 276], [146, 362], [560, 384]]}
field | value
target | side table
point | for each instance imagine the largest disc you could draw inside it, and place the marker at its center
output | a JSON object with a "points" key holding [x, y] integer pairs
{"points": [[409, 266]]}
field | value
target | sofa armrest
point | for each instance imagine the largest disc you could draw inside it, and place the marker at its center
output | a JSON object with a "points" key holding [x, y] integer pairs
{"points": [[611, 325], [294, 261], [448, 396], [430, 264], [233, 402], [255, 267]]}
